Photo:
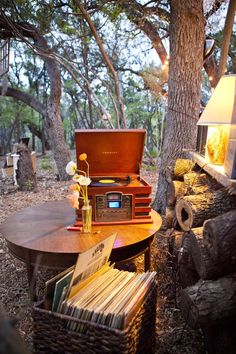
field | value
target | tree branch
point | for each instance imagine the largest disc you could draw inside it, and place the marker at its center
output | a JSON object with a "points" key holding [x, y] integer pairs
{"points": [[228, 27], [27, 99], [106, 59], [215, 7], [135, 16]]}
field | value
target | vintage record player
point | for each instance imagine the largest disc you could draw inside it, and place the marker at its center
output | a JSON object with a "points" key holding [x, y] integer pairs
{"points": [[117, 193]]}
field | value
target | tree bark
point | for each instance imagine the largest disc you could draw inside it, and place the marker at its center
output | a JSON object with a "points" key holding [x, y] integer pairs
{"points": [[195, 179], [25, 175], [53, 117], [204, 265], [186, 60], [186, 269], [220, 238], [27, 99], [182, 166], [85, 52], [209, 302], [193, 210], [170, 218], [175, 241], [176, 189]]}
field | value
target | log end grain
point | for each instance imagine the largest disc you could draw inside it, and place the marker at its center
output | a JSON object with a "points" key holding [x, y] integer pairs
{"points": [[184, 214]]}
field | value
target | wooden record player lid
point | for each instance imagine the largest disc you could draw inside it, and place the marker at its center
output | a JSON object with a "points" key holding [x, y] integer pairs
{"points": [[111, 152]]}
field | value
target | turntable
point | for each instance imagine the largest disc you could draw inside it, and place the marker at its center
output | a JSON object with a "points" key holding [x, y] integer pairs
{"points": [[117, 193]]}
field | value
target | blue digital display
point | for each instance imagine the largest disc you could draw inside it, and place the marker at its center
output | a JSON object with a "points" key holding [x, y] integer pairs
{"points": [[114, 204]]}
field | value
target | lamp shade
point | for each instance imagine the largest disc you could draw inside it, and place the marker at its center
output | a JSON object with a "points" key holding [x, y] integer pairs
{"points": [[221, 108]]}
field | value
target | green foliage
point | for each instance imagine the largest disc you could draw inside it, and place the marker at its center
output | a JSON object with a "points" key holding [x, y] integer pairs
{"points": [[45, 163], [153, 153], [28, 186], [113, 10], [149, 168]]}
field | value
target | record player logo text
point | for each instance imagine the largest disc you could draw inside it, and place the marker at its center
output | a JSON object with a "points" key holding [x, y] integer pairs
{"points": [[109, 152]]}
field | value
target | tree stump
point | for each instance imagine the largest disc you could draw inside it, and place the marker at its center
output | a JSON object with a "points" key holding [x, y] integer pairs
{"points": [[25, 175], [193, 210], [209, 302]]}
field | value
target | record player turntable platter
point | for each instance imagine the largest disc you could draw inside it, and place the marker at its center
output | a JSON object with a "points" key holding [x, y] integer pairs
{"points": [[110, 182], [106, 181]]}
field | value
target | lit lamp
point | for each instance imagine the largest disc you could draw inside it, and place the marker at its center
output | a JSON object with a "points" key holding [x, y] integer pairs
{"points": [[220, 117]]}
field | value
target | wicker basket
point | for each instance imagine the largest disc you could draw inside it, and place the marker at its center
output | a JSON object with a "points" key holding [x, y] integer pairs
{"points": [[52, 336]]}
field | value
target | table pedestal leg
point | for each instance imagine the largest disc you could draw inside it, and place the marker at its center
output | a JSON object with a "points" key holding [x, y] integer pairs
{"points": [[31, 274], [32, 282], [147, 259]]}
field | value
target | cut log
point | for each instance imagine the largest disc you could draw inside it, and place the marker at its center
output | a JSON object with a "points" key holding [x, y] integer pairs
{"points": [[196, 183], [182, 166], [176, 189], [175, 241], [170, 214], [193, 210], [170, 219], [219, 236], [221, 338], [209, 302], [196, 179], [186, 269], [204, 265]]}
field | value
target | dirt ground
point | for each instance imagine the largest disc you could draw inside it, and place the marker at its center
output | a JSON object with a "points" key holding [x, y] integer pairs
{"points": [[172, 334]]}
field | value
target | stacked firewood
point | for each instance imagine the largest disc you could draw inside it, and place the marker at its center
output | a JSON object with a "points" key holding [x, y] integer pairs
{"points": [[201, 216]]}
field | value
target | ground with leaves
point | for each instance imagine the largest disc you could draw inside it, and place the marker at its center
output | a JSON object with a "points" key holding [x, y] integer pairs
{"points": [[173, 335]]}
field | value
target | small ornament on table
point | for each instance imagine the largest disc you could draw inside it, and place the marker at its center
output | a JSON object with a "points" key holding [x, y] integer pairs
{"points": [[79, 191]]}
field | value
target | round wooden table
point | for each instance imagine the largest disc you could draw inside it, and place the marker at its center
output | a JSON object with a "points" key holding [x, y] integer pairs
{"points": [[38, 236]]}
